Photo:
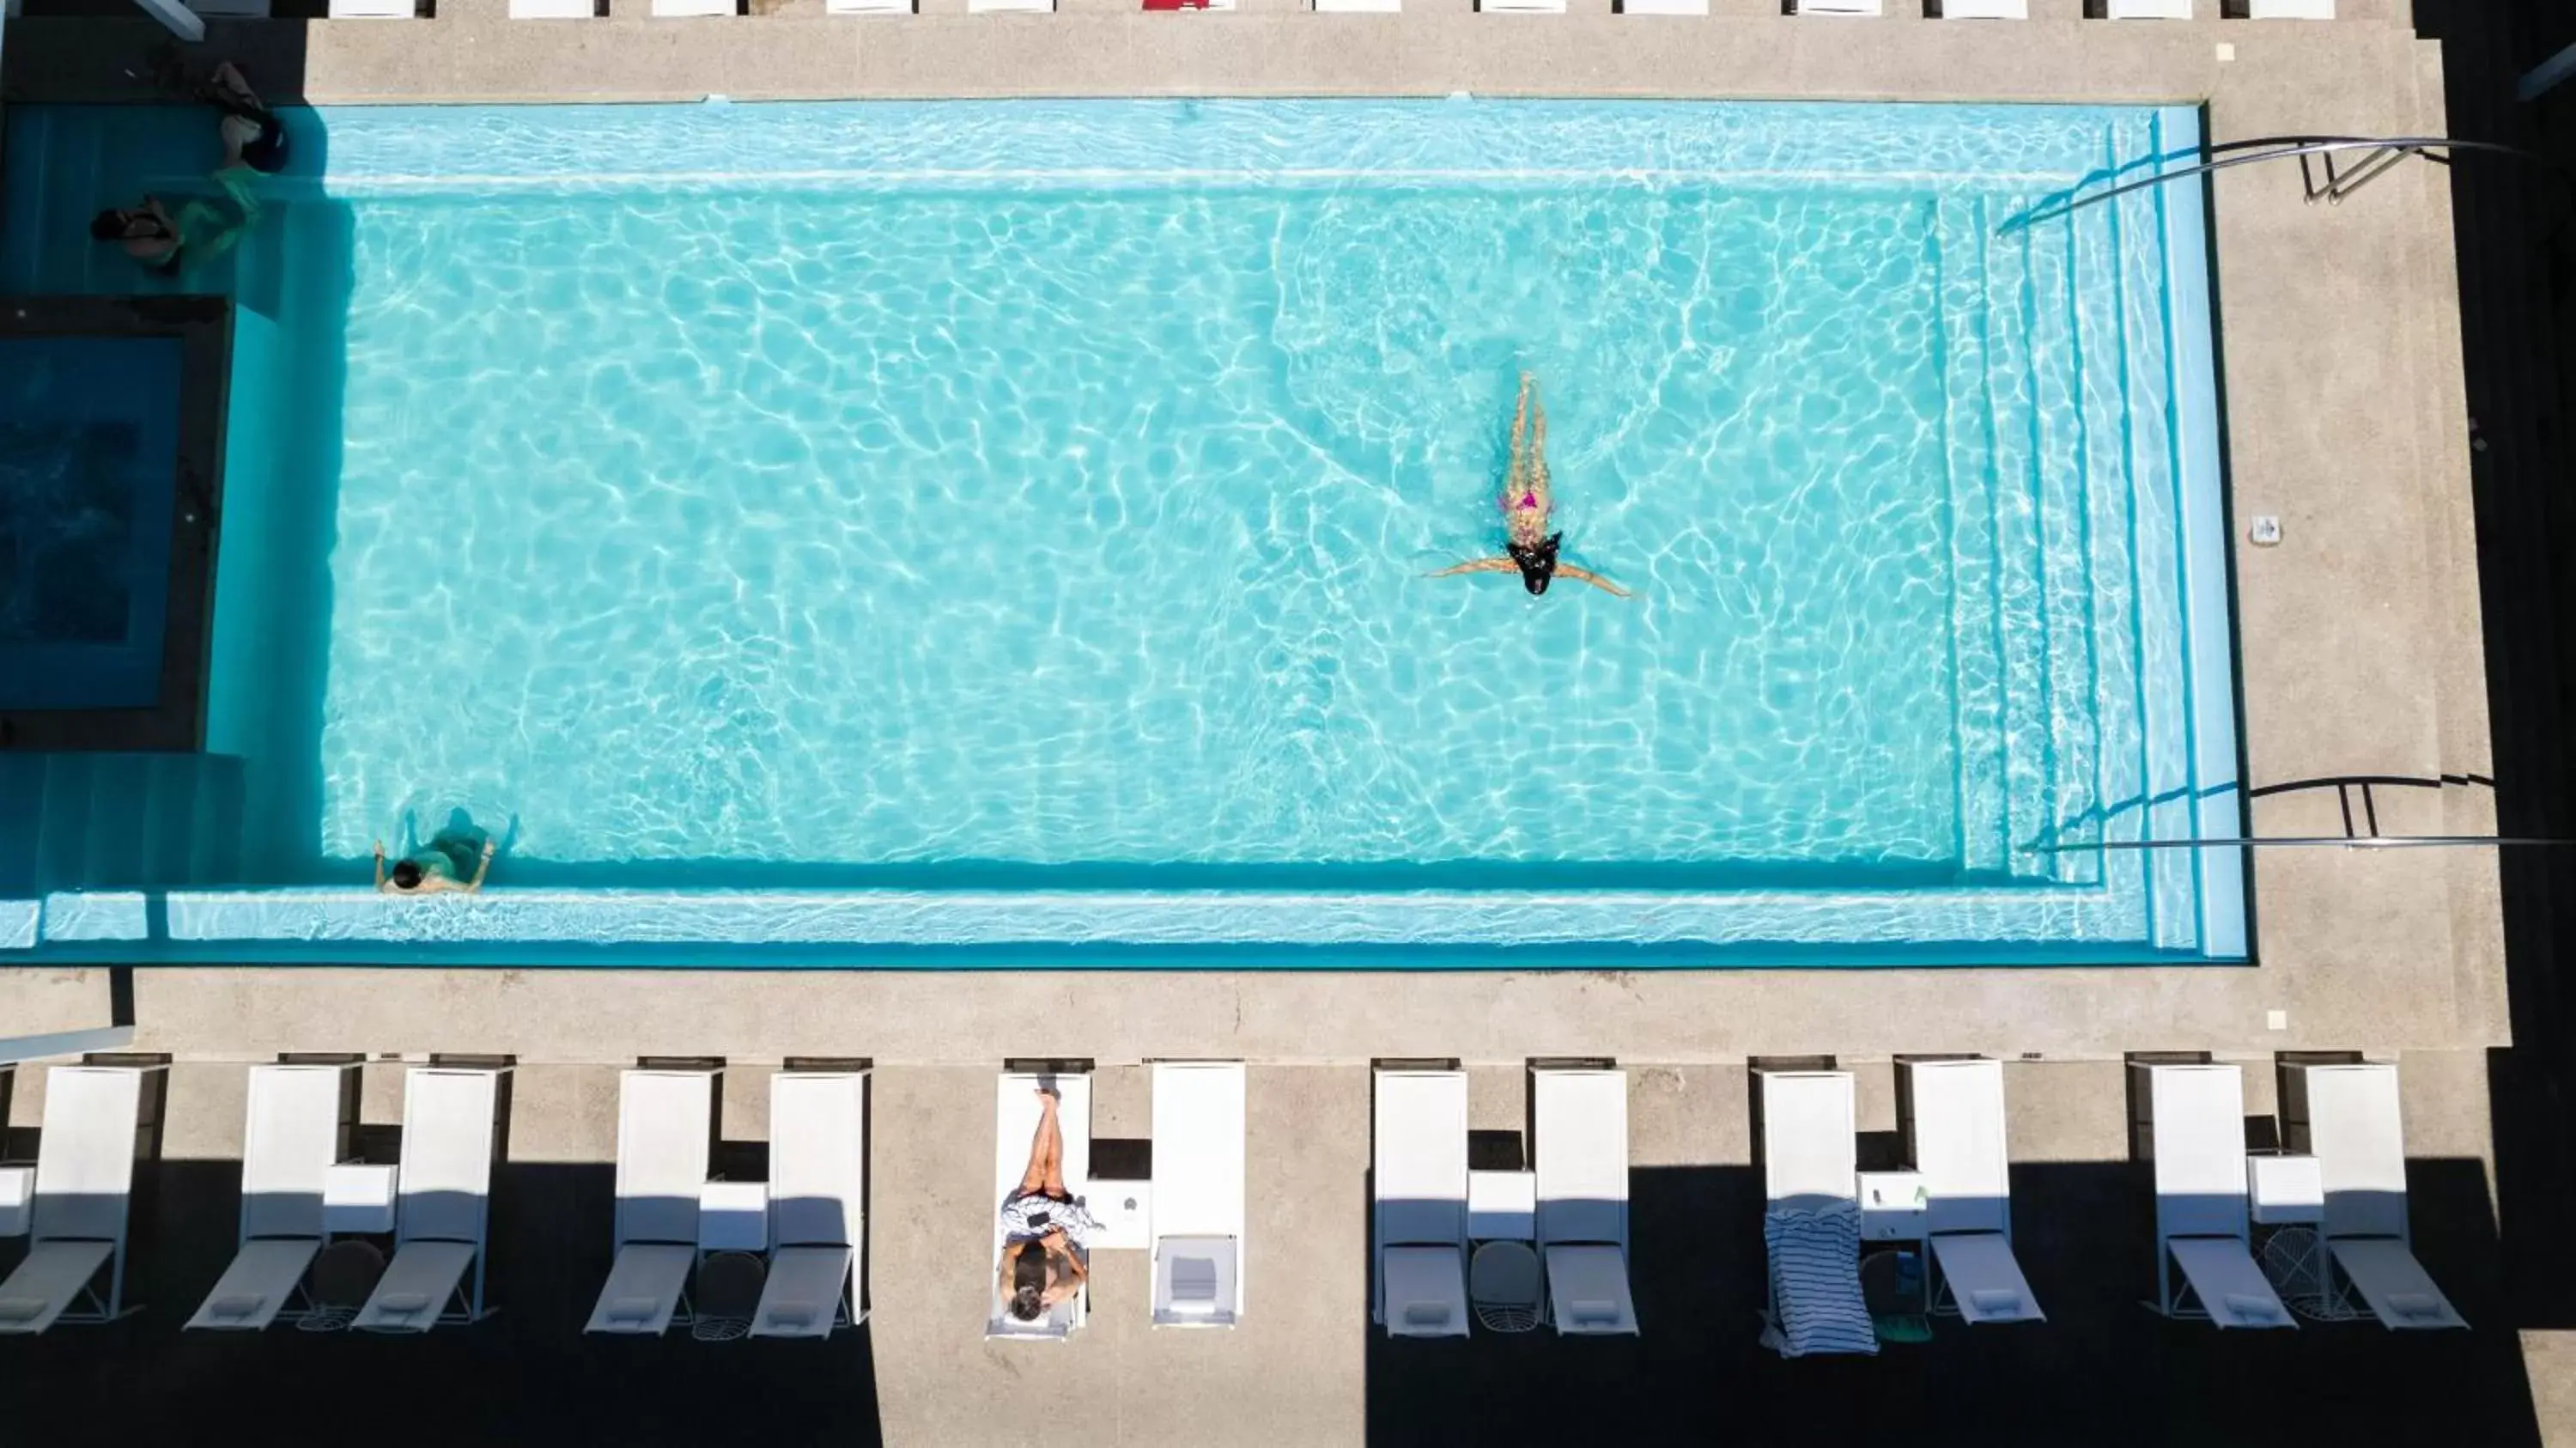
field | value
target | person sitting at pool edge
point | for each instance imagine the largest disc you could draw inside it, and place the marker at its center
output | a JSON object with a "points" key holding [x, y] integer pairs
{"points": [[202, 229], [1527, 544], [1043, 1227], [252, 134], [436, 867]]}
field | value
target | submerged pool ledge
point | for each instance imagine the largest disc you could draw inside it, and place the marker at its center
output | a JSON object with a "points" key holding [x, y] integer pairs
{"points": [[355, 924]]}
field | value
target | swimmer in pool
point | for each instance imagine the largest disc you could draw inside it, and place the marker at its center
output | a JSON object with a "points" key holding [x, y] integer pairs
{"points": [[436, 867], [1529, 546]]}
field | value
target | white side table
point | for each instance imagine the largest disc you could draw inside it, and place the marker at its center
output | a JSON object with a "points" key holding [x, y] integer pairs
{"points": [[2282, 1188], [17, 1199], [733, 1217], [358, 1196], [1893, 1206], [1124, 1210], [1502, 1206]]}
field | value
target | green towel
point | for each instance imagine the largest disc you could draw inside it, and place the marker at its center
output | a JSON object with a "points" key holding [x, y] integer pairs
{"points": [[1902, 1327]]}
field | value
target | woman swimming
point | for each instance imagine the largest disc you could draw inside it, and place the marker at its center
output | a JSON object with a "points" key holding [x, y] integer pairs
{"points": [[1528, 545]]}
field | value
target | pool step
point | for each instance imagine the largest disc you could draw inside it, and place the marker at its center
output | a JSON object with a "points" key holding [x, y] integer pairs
{"points": [[74, 821], [2056, 366]]}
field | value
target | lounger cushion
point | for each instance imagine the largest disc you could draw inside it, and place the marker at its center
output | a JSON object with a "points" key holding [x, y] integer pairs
{"points": [[1589, 1285], [51, 1277], [416, 1287], [1195, 1282], [643, 1290], [264, 1274], [803, 1295], [1983, 1278], [1815, 1281], [2230, 1287], [1426, 1291], [2400, 1293]]}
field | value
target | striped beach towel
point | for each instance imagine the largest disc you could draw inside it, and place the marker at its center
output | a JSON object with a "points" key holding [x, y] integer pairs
{"points": [[1816, 1303]]}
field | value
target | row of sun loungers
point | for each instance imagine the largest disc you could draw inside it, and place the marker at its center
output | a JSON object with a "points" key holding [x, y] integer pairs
{"points": [[1449, 1250], [690, 9]]}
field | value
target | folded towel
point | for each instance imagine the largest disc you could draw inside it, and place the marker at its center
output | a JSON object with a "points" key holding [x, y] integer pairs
{"points": [[1815, 1281]]}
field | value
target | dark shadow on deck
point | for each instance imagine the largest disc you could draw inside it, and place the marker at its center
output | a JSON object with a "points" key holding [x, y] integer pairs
{"points": [[2517, 271], [2103, 1369], [527, 1374]]}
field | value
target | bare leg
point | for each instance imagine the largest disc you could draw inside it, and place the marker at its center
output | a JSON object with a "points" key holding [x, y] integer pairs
{"points": [[227, 84], [1045, 1148], [1052, 1130], [1536, 482], [1512, 476]]}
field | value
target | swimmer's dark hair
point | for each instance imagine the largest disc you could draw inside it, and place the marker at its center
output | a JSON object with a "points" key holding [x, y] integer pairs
{"points": [[1028, 1282], [108, 225], [407, 874], [1537, 562]]}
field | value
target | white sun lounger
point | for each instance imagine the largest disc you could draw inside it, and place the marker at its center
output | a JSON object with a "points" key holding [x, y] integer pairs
{"points": [[1579, 1137], [553, 10], [2197, 1117], [818, 1178], [1839, 7], [1419, 1218], [1958, 1147], [372, 10], [1985, 9], [2147, 9], [2347, 1117], [1198, 1193], [290, 1140], [1664, 7], [442, 1196], [1009, 7], [666, 1125], [1811, 1230], [691, 9], [2289, 10], [867, 7], [1358, 7], [84, 1182], [1015, 1122], [1521, 7]]}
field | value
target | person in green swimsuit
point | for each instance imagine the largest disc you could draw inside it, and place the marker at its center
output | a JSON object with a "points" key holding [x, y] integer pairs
{"points": [[202, 229], [437, 866]]}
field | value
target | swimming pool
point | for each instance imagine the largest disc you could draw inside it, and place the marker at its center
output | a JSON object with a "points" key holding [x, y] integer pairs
{"points": [[843, 530]]}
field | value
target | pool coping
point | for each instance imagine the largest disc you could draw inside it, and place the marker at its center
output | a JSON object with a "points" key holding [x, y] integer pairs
{"points": [[203, 327]]}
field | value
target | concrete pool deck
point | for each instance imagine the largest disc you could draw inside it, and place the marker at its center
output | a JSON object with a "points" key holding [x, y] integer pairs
{"points": [[2359, 638]]}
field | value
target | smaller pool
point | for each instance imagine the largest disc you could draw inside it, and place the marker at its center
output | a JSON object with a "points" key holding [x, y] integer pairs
{"points": [[89, 454]]}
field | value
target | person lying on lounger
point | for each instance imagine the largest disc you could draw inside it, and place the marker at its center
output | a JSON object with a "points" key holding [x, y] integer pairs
{"points": [[437, 866], [1528, 545], [1043, 1227]]}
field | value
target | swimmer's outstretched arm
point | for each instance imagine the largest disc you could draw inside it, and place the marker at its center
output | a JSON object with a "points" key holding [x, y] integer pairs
{"points": [[1568, 570], [1481, 565]]}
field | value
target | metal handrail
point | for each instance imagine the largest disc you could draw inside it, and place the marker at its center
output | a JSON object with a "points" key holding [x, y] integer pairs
{"points": [[2388, 152]]}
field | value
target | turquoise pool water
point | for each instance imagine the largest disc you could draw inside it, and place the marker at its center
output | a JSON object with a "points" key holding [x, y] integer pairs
{"points": [[1008, 524]]}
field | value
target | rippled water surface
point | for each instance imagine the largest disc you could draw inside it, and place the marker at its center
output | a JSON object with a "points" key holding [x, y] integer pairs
{"points": [[842, 515]]}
